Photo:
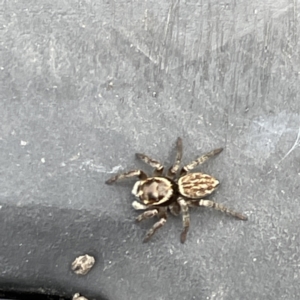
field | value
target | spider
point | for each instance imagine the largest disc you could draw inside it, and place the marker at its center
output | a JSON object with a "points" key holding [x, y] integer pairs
{"points": [[162, 193]]}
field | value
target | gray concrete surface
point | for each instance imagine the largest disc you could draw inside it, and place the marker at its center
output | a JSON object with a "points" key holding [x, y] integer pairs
{"points": [[86, 84]]}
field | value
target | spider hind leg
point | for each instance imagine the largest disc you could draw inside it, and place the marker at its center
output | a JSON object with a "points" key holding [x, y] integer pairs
{"points": [[174, 209], [185, 218], [216, 206]]}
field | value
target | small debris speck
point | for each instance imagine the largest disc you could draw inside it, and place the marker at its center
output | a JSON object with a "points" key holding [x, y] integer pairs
{"points": [[75, 157], [83, 264]]}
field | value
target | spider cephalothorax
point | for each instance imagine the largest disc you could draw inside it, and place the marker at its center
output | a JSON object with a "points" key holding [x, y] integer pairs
{"points": [[160, 193]]}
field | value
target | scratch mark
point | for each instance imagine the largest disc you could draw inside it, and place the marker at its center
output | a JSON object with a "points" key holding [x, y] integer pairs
{"points": [[173, 9], [134, 43], [167, 28], [99, 168], [226, 124], [146, 53], [293, 147]]}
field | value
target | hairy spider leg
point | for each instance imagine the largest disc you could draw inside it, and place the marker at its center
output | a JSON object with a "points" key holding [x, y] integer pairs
{"points": [[147, 215], [199, 161], [139, 173], [162, 221], [185, 218], [174, 209], [217, 206], [158, 167], [154, 228], [174, 169]]}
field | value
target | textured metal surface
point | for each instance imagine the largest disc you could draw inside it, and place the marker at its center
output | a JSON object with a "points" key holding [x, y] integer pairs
{"points": [[86, 84]]}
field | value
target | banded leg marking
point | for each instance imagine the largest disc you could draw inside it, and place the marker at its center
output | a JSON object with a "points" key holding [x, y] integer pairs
{"points": [[174, 209], [185, 218], [147, 215], [154, 228], [174, 169], [199, 161], [217, 206], [158, 167]]}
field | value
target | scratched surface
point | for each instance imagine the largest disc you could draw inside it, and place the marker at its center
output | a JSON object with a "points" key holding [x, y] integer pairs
{"points": [[87, 84]]}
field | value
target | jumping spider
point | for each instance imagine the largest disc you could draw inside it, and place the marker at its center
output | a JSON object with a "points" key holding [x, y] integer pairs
{"points": [[160, 193]]}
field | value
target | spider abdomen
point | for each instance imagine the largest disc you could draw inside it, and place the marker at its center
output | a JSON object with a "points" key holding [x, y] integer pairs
{"points": [[197, 185]]}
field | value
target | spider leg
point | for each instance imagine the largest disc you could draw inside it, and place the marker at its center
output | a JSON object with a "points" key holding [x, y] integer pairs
{"points": [[158, 167], [174, 209], [147, 215], [154, 228], [199, 161], [185, 218], [174, 169], [162, 221], [138, 206], [217, 206], [139, 173]]}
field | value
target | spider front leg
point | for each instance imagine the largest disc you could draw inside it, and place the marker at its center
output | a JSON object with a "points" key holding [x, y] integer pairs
{"points": [[174, 169], [158, 167], [199, 161], [147, 215], [217, 206], [139, 173], [162, 221], [185, 218]]}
